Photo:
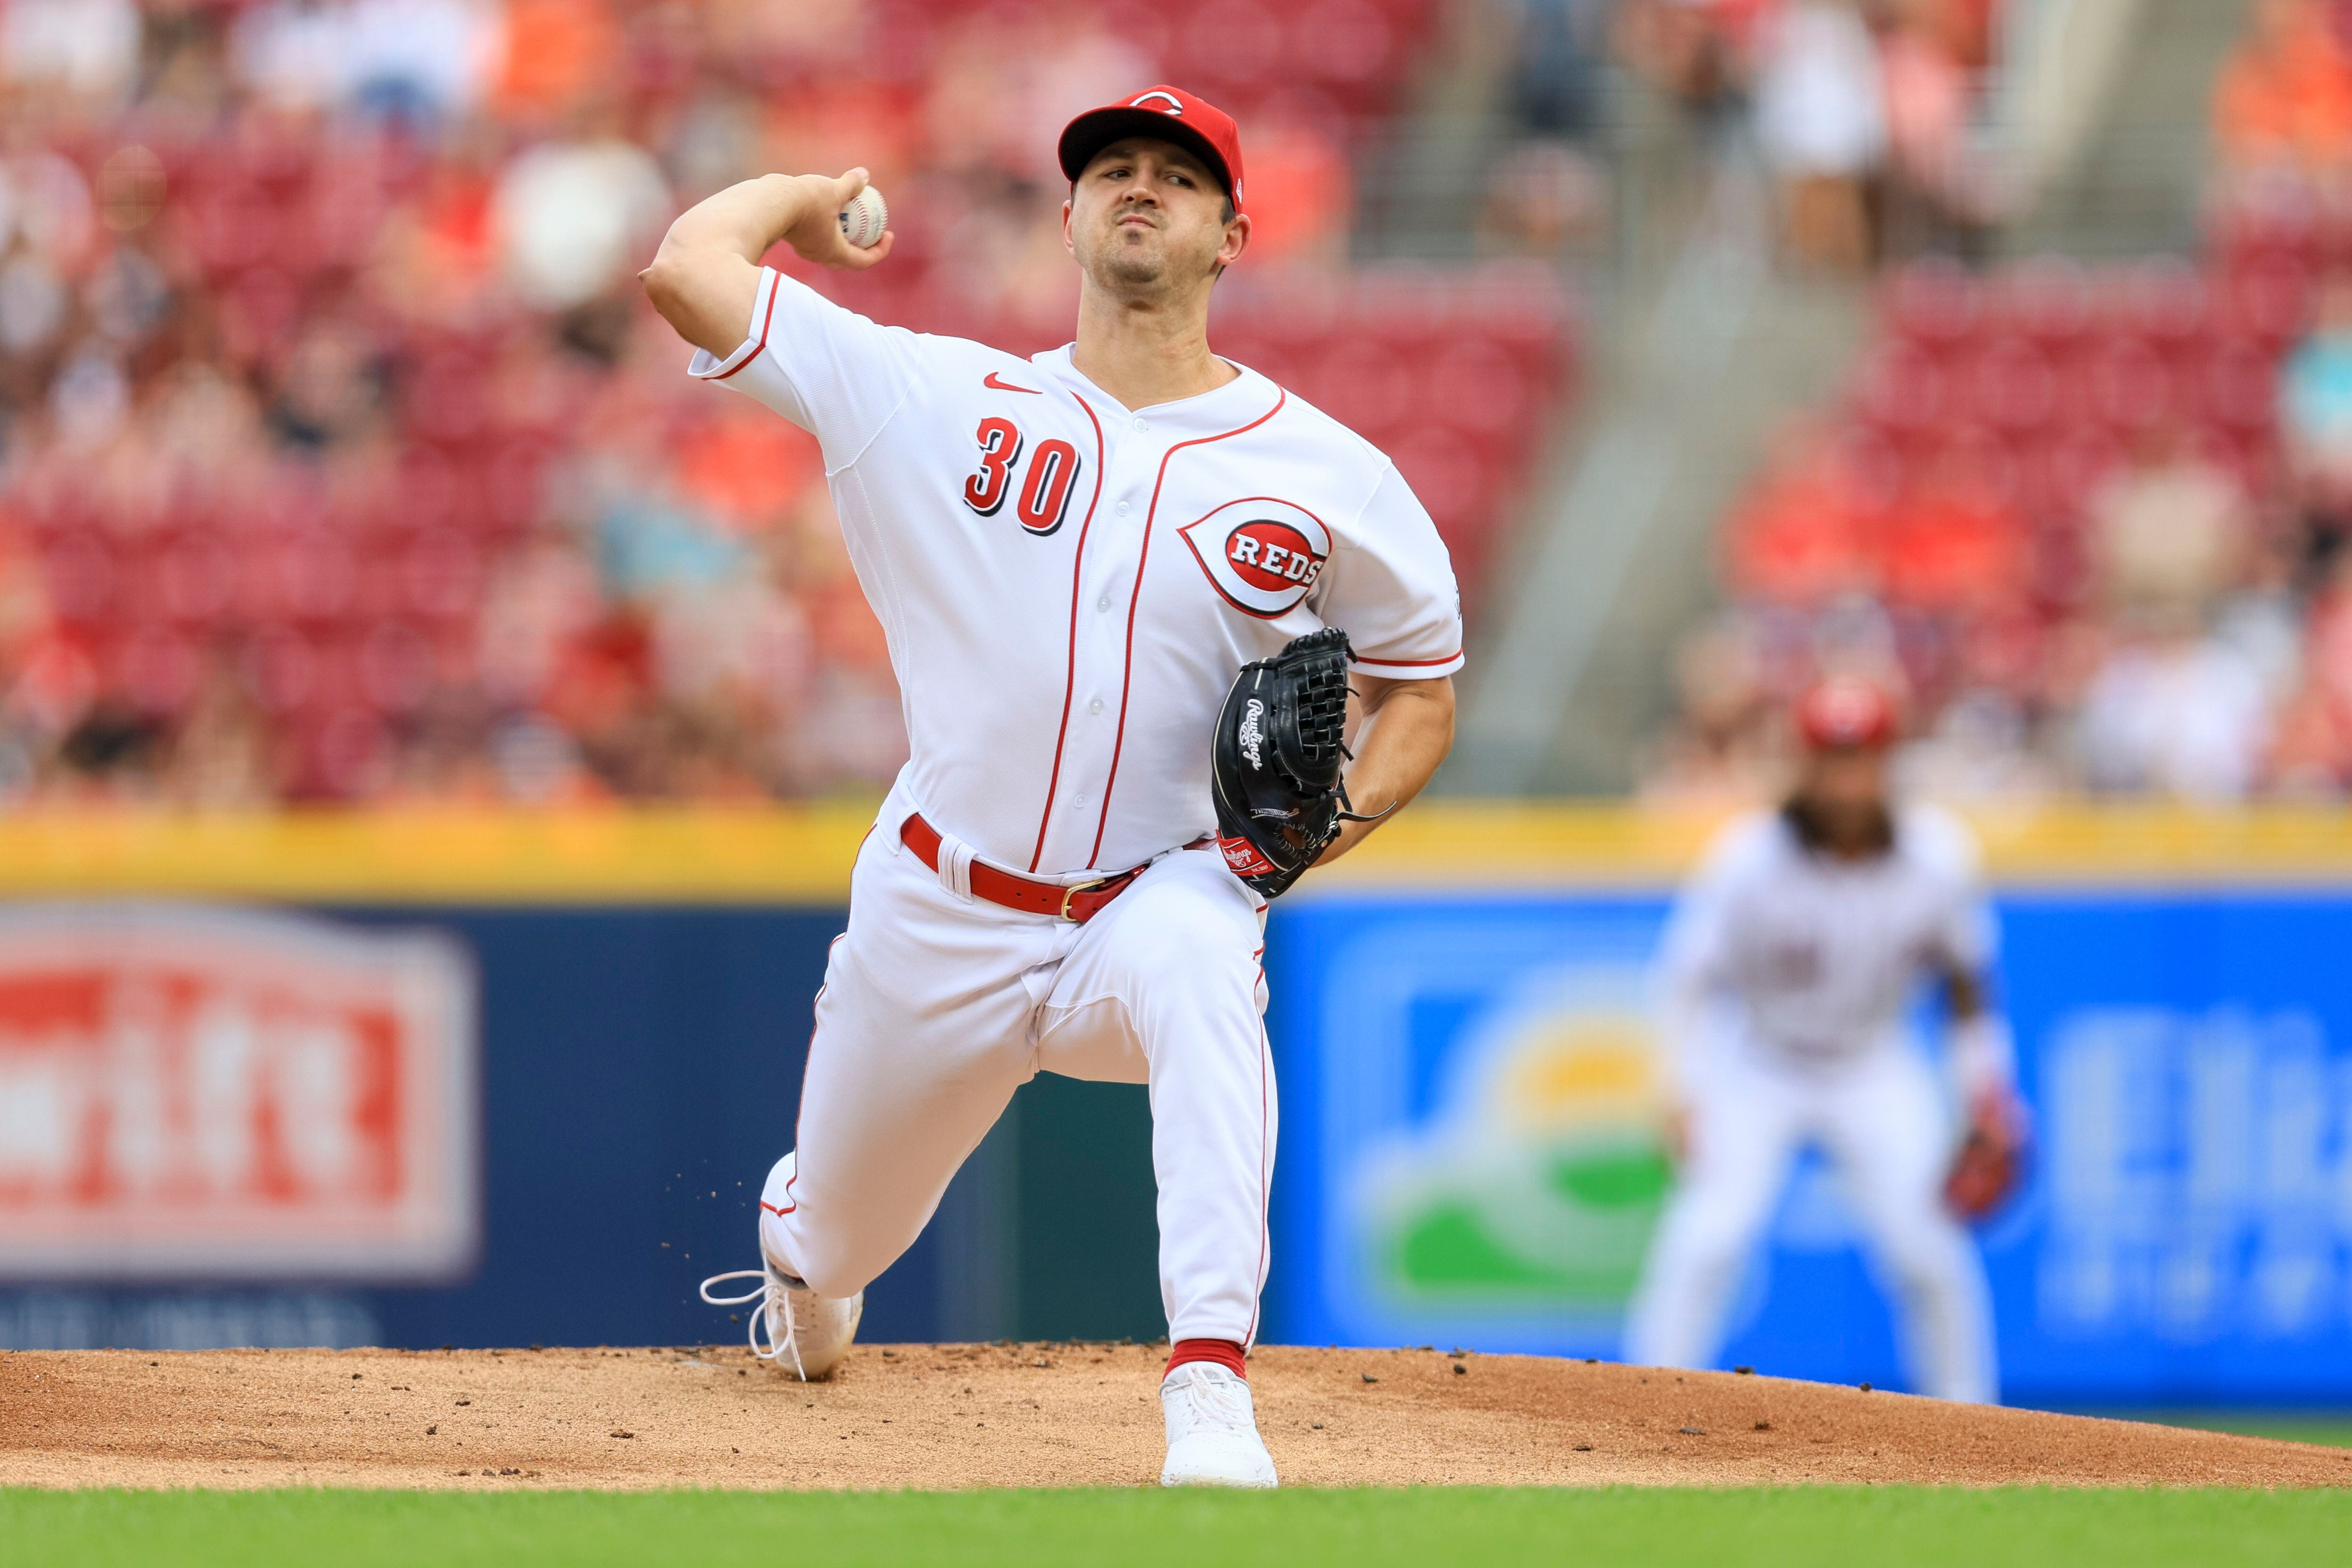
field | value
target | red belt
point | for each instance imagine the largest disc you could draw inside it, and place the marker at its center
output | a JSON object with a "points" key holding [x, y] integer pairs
{"points": [[1081, 903]]}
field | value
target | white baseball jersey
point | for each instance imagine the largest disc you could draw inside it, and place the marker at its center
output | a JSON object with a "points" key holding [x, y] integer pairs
{"points": [[1068, 587], [1817, 954]]}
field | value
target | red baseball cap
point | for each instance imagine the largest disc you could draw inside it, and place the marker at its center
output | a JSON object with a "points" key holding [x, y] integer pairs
{"points": [[1169, 113], [1846, 711]]}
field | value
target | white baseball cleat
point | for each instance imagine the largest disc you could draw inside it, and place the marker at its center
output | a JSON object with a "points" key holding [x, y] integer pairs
{"points": [[813, 1331], [1212, 1437]]}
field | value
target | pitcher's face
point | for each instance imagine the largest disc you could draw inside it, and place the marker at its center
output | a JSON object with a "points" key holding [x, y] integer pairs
{"points": [[1147, 215]]}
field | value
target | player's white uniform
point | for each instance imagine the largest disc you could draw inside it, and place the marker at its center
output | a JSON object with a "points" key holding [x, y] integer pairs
{"points": [[1068, 587], [1785, 974]]}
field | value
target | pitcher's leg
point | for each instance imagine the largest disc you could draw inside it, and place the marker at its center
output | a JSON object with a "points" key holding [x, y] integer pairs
{"points": [[1892, 1134], [1165, 987], [922, 1035]]}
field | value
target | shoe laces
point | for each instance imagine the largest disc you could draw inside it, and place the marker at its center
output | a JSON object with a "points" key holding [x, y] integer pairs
{"points": [[1215, 1397], [773, 1296]]}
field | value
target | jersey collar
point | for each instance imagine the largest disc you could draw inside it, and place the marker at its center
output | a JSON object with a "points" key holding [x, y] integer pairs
{"points": [[1210, 410]]}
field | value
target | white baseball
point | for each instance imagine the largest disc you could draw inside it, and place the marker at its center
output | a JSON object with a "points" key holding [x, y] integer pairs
{"points": [[863, 221]]}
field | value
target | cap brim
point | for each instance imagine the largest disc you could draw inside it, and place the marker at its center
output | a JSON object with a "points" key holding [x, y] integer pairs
{"points": [[1090, 132]]}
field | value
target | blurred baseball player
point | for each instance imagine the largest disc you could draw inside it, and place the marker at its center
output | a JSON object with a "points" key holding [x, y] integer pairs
{"points": [[1787, 970], [1072, 556]]}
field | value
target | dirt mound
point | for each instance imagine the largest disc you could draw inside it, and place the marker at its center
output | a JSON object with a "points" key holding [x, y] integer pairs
{"points": [[1026, 1414]]}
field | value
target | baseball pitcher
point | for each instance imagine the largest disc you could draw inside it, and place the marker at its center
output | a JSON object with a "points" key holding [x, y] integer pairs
{"points": [[1126, 586], [1787, 970]]}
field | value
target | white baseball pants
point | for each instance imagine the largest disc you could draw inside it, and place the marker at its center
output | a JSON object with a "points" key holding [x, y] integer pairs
{"points": [[1882, 1124], [937, 1006]]}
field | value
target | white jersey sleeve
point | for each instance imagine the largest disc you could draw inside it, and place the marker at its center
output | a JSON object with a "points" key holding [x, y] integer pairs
{"points": [[1390, 586], [1966, 937], [1695, 959], [830, 371]]}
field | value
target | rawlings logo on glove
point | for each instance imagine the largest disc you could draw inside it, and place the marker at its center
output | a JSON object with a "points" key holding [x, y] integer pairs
{"points": [[1275, 761], [1252, 736]]}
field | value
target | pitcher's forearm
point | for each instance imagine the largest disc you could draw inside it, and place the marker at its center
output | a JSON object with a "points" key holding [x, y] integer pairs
{"points": [[707, 273], [1408, 730], [746, 219]]}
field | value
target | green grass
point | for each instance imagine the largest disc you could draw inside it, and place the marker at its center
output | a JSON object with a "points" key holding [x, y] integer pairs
{"points": [[1801, 1527]]}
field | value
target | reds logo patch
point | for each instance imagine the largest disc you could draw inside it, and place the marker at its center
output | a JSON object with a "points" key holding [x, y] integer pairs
{"points": [[1262, 556]]}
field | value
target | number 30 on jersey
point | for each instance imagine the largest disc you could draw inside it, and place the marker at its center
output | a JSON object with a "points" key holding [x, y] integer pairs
{"points": [[1045, 482]]}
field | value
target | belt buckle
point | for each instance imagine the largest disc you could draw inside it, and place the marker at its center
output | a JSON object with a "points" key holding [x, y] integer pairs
{"points": [[1076, 888]]}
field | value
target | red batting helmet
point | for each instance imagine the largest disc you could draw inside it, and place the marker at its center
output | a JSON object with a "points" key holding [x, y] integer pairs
{"points": [[1846, 711], [1169, 114]]}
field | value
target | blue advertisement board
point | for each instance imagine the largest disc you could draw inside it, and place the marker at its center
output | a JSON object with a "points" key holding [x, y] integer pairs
{"points": [[630, 1075], [1471, 1152], [639, 1070]]}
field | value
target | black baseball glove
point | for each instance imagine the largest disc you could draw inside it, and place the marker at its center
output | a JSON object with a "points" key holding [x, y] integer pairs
{"points": [[1277, 760]]}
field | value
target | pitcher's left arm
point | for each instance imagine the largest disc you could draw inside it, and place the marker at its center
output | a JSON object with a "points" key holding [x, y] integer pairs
{"points": [[1404, 730]]}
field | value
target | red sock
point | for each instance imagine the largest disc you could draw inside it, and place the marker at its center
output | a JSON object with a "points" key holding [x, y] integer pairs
{"points": [[1223, 1351]]}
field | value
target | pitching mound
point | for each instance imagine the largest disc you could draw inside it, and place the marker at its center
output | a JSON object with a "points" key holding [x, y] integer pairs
{"points": [[1026, 1414]]}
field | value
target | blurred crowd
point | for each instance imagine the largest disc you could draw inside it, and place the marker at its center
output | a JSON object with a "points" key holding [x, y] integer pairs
{"points": [[2091, 522], [340, 460], [1868, 117]]}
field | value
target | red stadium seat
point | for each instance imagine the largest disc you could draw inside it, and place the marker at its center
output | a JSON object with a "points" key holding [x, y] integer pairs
{"points": [[1933, 303], [1902, 390], [2162, 303], [2133, 389], [442, 575], [1477, 386], [79, 570], [281, 669], [2009, 385], [394, 665], [158, 671], [197, 577], [342, 752], [2241, 388], [2046, 300], [2265, 302], [1367, 387]]}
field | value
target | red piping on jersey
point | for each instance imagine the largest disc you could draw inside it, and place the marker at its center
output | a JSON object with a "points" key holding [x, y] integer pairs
{"points": [[1134, 597], [1070, 681], [808, 1057], [775, 286], [1265, 1183], [1413, 663]]}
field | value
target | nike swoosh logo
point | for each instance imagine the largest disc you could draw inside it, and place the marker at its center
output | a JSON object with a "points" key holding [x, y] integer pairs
{"points": [[990, 381]]}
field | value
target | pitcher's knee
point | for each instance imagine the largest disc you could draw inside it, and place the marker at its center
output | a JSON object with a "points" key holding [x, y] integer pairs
{"points": [[1197, 957]]}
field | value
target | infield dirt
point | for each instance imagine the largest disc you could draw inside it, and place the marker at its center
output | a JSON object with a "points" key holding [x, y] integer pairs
{"points": [[1027, 1415]]}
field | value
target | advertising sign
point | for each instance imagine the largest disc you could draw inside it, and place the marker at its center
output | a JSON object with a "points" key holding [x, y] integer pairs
{"points": [[1472, 1153], [1474, 1085], [206, 1093]]}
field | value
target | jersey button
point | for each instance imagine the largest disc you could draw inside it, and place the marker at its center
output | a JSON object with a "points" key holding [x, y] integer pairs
{"points": [[1142, 425], [1122, 508], [1104, 602], [1095, 707]]}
